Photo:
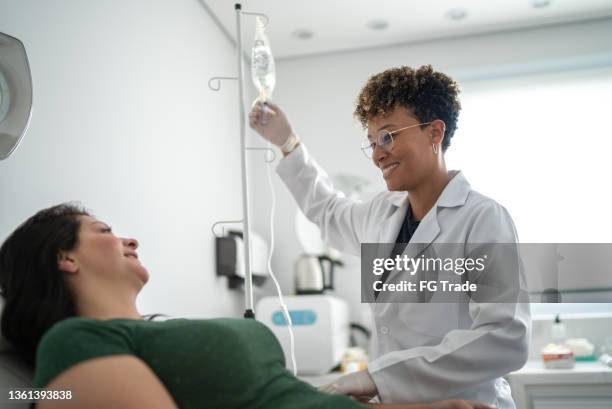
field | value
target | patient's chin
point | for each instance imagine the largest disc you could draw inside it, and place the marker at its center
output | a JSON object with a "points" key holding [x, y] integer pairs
{"points": [[143, 275]]}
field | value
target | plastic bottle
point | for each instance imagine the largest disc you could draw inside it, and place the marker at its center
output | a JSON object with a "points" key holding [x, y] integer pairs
{"points": [[559, 334]]}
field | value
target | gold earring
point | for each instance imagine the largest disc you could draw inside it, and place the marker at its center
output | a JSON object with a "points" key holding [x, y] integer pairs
{"points": [[435, 148]]}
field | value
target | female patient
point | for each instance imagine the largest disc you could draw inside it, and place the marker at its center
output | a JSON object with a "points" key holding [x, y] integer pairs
{"points": [[70, 287]]}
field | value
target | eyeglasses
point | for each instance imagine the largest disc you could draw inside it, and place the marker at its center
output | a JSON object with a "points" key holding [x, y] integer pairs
{"points": [[384, 140]]}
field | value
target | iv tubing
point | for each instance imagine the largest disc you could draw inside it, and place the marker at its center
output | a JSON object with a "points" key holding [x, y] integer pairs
{"points": [[278, 289]]}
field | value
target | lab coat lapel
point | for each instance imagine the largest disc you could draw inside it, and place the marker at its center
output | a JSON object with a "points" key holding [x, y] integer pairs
{"points": [[390, 229], [393, 224], [454, 194], [424, 235]]}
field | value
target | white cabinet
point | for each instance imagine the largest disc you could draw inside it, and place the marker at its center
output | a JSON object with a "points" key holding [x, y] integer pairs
{"points": [[587, 386]]}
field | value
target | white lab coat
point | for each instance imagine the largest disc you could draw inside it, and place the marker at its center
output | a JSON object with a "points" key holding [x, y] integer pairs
{"points": [[428, 351]]}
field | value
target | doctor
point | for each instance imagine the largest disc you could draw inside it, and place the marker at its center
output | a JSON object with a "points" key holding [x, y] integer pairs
{"points": [[421, 351]]}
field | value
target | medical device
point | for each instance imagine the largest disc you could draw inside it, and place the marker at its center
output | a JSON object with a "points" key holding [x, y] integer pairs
{"points": [[263, 74], [229, 258], [15, 94], [321, 326]]}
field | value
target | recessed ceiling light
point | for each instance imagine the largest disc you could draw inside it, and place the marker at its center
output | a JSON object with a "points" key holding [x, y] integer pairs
{"points": [[378, 24], [302, 34], [538, 4], [456, 14]]}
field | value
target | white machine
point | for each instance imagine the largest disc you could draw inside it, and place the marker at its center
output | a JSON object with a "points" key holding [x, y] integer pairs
{"points": [[321, 326]]}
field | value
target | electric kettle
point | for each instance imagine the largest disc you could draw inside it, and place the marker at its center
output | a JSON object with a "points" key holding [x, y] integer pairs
{"points": [[314, 274]]}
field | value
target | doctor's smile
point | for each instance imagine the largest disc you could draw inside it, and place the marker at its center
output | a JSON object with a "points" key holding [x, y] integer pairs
{"points": [[388, 169]]}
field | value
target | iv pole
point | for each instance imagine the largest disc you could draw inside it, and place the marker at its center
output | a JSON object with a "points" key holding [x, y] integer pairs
{"points": [[249, 311]]}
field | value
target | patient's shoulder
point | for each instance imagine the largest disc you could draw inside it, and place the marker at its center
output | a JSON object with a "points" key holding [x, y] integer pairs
{"points": [[75, 340], [78, 331]]}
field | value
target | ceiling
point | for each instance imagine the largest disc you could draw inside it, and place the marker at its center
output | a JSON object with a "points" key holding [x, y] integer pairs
{"points": [[341, 25]]}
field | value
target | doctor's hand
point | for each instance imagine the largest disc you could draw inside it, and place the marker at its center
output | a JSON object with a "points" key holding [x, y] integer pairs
{"points": [[459, 404], [271, 122], [358, 384], [445, 404]]}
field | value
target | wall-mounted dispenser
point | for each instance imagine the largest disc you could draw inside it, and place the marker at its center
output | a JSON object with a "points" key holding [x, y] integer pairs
{"points": [[230, 258]]}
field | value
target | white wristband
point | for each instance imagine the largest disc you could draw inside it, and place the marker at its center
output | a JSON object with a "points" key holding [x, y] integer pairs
{"points": [[290, 144]]}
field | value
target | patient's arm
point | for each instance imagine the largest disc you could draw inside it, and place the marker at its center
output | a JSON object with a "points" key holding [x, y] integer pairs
{"points": [[446, 404], [118, 382]]}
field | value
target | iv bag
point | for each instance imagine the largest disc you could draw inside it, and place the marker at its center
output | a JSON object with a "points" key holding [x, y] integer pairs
{"points": [[263, 70]]}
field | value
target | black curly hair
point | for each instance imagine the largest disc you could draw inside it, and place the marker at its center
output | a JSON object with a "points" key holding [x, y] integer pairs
{"points": [[426, 93]]}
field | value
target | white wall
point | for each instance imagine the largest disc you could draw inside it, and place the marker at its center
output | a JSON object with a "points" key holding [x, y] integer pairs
{"points": [[124, 122], [318, 93]]}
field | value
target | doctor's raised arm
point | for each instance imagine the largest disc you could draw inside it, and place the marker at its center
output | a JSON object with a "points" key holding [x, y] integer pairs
{"points": [[342, 221], [424, 350]]}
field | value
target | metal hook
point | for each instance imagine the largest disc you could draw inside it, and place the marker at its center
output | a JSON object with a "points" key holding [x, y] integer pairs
{"points": [[266, 158], [265, 17], [223, 222], [217, 87]]}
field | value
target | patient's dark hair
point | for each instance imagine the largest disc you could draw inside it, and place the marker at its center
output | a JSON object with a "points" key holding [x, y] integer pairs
{"points": [[35, 293]]}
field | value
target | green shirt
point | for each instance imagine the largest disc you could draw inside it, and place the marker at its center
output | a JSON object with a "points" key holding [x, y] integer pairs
{"points": [[217, 363]]}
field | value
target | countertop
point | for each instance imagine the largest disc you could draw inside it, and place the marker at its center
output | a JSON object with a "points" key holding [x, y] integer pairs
{"points": [[533, 372]]}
